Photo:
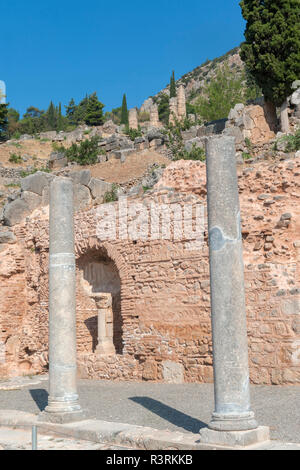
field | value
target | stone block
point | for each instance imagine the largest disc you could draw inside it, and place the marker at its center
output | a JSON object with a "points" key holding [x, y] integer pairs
{"points": [[7, 237], [99, 187], [173, 372], [198, 142], [82, 197], [235, 438], [81, 177], [33, 200], [36, 182], [15, 212]]}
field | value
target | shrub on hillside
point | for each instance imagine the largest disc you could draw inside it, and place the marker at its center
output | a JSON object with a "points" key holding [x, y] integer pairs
{"points": [[85, 153]]}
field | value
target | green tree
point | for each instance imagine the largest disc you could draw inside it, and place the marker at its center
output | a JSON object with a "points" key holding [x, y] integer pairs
{"points": [[3, 121], [51, 116], [271, 49], [94, 111], [222, 94], [173, 92], [124, 113], [70, 111], [60, 119], [164, 109], [13, 117]]}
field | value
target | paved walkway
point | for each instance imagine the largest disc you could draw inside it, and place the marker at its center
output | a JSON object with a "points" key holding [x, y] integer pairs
{"points": [[184, 408]]}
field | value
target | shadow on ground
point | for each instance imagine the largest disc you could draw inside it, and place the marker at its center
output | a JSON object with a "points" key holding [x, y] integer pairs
{"points": [[40, 396], [172, 415]]}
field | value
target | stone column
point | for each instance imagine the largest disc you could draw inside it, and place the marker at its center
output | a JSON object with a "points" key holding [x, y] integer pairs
{"points": [[173, 110], [63, 403], [154, 116], [230, 347], [105, 323], [133, 119], [181, 107]]}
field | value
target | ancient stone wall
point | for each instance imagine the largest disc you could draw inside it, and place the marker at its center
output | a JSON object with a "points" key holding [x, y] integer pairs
{"points": [[161, 287]]}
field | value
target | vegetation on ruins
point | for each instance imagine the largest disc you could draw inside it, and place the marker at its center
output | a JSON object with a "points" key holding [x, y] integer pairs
{"points": [[124, 112], [173, 93], [133, 133], [291, 142], [164, 109], [222, 94], [114, 115], [84, 153], [271, 50], [112, 195], [14, 158], [175, 142]]}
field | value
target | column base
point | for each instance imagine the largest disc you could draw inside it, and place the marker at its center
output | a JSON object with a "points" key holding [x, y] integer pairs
{"points": [[235, 438], [61, 418], [233, 422], [105, 349]]}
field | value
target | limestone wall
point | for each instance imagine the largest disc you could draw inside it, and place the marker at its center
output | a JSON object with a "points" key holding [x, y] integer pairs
{"points": [[163, 309]]}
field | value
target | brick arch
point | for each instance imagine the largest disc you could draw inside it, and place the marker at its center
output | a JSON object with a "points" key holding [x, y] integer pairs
{"points": [[83, 247], [90, 249]]}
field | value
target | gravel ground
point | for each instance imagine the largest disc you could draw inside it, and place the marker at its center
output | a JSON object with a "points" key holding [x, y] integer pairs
{"points": [[20, 439], [185, 407]]}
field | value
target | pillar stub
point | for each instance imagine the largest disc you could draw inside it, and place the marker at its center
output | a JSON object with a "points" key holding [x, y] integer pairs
{"points": [[235, 438]]}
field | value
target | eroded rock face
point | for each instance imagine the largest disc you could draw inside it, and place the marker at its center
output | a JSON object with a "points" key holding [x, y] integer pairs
{"points": [[249, 122]]}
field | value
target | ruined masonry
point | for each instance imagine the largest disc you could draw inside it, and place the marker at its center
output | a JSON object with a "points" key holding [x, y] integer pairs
{"points": [[158, 325]]}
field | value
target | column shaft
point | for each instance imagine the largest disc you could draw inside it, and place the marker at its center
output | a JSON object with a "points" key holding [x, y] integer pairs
{"points": [[63, 397], [229, 330]]}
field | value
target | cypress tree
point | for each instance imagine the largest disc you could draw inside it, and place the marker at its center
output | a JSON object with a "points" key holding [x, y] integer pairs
{"points": [[271, 49], [173, 92], [51, 116], [124, 112]]}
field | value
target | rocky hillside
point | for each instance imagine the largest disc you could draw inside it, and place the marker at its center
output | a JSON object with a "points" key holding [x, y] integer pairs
{"points": [[198, 80]]}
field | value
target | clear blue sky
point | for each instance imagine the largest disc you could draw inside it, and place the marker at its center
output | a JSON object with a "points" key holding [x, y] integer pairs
{"points": [[59, 49]]}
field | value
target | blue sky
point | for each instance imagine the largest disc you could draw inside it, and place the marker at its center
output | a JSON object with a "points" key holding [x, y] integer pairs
{"points": [[56, 50]]}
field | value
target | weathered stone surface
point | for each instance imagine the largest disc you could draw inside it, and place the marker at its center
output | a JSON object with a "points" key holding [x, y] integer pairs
{"points": [[249, 122], [99, 188], [57, 160], [48, 135], [133, 119], [181, 106], [198, 142], [35, 183], [228, 312], [81, 177], [173, 372], [33, 200], [165, 305], [7, 237], [82, 197], [15, 212], [109, 127], [154, 117], [173, 110], [63, 405]]}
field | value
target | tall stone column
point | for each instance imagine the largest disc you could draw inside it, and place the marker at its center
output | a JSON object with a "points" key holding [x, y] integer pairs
{"points": [[228, 313], [133, 119], [63, 403], [154, 116], [181, 107], [173, 110]]}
